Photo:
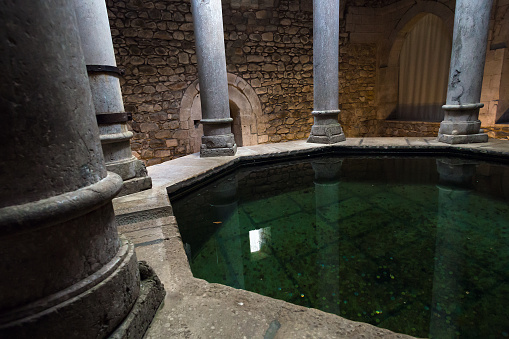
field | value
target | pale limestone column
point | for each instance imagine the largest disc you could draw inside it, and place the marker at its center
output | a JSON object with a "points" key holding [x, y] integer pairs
{"points": [[461, 124], [218, 138], [65, 271], [104, 81], [326, 128]]}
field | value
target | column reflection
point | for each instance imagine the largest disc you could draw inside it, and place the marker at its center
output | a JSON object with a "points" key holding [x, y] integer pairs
{"points": [[326, 183]]}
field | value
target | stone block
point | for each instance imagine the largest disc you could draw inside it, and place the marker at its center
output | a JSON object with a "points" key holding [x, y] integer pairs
{"points": [[148, 127], [163, 134], [463, 139], [172, 143], [217, 152], [163, 153]]}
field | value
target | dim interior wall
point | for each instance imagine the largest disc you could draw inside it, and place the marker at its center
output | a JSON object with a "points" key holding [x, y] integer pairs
{"points": [[395, 22], [495, 89], [268, 44]]}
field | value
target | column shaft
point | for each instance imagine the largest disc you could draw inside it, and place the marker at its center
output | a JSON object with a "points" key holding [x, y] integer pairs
{"points": [[104, 81], [208, 30], [65, 271], [326, 128], [461, 124]]}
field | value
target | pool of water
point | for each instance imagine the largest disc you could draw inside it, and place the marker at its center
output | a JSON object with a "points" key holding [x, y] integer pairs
{"points": [[417, 245]]}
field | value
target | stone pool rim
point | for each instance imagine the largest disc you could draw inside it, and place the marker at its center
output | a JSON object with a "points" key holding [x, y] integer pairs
{"points": [[196, 306], [181, 188]]}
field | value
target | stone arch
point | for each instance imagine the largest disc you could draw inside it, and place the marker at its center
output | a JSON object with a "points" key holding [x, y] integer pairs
{"points": [[391, 49], [245, 109]]}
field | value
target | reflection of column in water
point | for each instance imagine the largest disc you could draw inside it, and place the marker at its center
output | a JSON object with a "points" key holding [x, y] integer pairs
{"points": [[326, 196], [228, 236], [454, 187]]}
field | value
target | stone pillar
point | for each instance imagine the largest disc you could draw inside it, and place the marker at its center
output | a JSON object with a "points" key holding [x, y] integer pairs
{"points": [[455, 187], [326, 129], [104, 81], [218, 138], [65, 271], [461, 124]]}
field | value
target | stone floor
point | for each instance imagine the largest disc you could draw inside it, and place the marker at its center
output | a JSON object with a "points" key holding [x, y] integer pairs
{"points": [[194, 308]]}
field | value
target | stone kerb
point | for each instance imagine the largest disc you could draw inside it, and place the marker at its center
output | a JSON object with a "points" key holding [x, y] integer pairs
{"points": [[253, 122]]}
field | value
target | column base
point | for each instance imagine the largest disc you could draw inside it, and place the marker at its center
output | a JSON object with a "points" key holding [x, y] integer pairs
{"points": [[326, 134], [218, 145], [462, 138], [91, 308], [151, 297], [218, 152], [135, 185], [133, 173], [326, 129], [461, 132]]}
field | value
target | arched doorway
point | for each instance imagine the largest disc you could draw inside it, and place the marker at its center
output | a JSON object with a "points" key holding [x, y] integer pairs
{"points": [[424, 71], [236, 123], [390, 51], [245, 110]]}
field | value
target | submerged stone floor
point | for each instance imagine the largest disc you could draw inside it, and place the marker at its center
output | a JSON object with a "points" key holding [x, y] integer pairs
{"points": [[194, 308]]}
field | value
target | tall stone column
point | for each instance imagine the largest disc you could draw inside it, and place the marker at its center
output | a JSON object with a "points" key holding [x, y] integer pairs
{"points": [[326, 128], [461, 123], [65, 271], [208, 31], [97, 45]]}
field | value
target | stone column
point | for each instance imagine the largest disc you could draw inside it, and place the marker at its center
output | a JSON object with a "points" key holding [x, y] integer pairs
{"points": [[326, 128], [104, 81], [461, 124], [208, 31], [65, 271]]}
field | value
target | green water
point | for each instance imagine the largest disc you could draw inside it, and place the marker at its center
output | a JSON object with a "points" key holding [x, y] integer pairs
{"points": [[391, 242]]}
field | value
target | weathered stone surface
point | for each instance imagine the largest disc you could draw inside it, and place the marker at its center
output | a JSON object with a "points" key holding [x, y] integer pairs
{"points": [[151, 296], [471, 25], [60, 247]]}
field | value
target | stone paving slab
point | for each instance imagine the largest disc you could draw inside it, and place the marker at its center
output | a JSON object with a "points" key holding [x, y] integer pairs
{"points": [[194, 308]]}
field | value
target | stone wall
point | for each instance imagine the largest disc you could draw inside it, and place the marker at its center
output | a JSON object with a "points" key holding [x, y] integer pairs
{"points": [[499, 131], [357, 81], [271, 48], [268, 44], [395, 128]]}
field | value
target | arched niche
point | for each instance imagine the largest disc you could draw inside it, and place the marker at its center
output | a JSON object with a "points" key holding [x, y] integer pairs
{"points": [[388, 79], [245, 110], [424, 71]]}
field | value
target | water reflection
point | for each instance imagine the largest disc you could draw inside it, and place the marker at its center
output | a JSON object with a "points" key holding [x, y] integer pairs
{"points": [[327, 190], [413, 245], [229, 236], [454, 192]]}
